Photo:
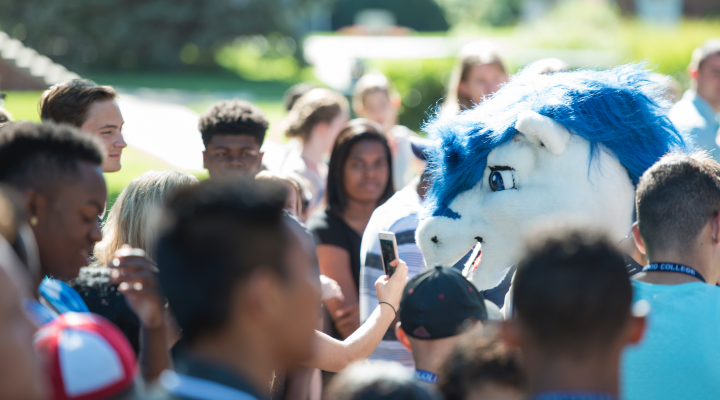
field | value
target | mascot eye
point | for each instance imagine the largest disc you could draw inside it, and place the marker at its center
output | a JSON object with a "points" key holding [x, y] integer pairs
{"points": [[501, 180]]}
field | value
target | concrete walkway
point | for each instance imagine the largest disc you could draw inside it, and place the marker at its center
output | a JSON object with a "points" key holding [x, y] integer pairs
{"points": [[163, 130]]}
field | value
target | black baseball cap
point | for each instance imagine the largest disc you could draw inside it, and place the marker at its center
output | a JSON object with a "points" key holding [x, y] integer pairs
{"points": [[437, 303]]}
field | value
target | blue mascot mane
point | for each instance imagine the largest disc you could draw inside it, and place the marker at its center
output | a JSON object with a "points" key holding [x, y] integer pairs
{"points": [[621, 109]]}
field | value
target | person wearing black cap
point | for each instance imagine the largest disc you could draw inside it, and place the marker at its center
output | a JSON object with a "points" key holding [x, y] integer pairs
{"points": [[438, 306]]}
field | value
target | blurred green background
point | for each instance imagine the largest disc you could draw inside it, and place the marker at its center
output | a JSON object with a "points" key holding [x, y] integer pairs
{"points": [[254, 48]]}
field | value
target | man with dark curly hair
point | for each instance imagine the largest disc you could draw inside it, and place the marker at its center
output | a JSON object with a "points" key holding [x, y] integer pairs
{"points": [[233, 132]]}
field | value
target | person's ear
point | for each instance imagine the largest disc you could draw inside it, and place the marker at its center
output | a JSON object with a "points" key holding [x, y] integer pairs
{"points": [[510, 332], [320, 129], [638, 239], [693, 72], [36, 206], [395, 101], [359, 109], [204, 159], [402, 337], [715, 229], [462, 89], [260, 298], [636, 330]]}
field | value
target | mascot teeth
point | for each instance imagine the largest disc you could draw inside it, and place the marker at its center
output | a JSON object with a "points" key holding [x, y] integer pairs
{"points": [[543, 149]]}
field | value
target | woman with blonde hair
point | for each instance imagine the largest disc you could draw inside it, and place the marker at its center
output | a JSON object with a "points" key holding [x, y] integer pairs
{"points": [[479, 72], [130, 219], [104, 284]]}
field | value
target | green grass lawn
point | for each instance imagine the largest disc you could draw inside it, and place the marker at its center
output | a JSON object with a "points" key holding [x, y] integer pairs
{"points": [[23, 105], [134, 164]]}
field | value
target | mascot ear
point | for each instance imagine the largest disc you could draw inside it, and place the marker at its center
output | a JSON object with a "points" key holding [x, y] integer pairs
{"points": [[550, 133]]}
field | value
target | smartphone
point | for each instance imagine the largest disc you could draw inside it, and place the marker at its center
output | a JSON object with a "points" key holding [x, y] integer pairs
{"points": [[388, 251]]}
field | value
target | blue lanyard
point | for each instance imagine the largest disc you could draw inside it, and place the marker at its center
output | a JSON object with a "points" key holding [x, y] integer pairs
{"points": [[574, 396], [425, 376], [670, 267]]}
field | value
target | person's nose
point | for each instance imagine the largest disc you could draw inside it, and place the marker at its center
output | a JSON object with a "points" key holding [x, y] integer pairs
{"points": [[235, 159], [121, 141], [370, 172], [95, 234]]}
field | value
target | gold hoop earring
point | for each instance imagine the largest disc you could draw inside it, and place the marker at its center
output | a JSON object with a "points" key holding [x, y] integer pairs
{"points": [[33, 220]]}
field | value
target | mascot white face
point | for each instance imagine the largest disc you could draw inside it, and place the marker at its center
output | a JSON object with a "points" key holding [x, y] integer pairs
{"points": [[544, 174], [568, 146]]}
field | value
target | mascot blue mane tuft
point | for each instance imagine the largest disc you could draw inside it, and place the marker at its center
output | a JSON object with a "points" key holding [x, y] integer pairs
{"points": [[621, 109]]}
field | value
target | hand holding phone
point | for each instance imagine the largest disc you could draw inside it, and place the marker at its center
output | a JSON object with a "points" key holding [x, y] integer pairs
{"points": [[390, 290], [388, 251]]}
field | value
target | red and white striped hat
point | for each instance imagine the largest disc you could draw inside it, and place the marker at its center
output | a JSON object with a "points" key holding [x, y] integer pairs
{"points": [[87, 357]]}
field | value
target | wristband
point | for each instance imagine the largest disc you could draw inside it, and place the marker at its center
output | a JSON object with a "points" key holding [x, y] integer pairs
{"points": [[391, 306]]}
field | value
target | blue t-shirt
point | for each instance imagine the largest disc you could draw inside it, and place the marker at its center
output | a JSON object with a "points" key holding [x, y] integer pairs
{"points": [[679, 356]]}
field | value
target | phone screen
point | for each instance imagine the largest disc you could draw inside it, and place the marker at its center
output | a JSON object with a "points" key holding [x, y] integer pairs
{"points": [[388, 255]]}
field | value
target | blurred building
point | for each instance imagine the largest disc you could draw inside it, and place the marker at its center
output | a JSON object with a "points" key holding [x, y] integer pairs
{"points": [[377, 16]]}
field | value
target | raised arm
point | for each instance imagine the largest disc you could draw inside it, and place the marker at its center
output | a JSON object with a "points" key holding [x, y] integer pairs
{"points": [[333, 355]]}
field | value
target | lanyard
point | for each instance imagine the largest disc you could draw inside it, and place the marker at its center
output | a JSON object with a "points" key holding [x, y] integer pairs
{"points": [[574, 396], [425, 376], [196, 388], [670, 267]]}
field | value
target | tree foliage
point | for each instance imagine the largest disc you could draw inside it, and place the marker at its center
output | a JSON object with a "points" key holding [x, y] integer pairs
{"points": [[144, 33]]}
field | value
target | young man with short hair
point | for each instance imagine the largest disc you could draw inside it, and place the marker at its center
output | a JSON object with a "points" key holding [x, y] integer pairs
{"points": [[437, 307], [92, 108], [678, 228], [698, 113], [233, 132], [241, 285], [573, 318]]}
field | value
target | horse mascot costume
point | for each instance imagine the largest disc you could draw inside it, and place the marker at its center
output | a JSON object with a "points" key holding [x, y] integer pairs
{"points": [[566, 146]]}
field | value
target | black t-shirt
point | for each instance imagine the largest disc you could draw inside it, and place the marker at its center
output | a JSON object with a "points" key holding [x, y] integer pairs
{"points": [[328, 228], [103, 298]]}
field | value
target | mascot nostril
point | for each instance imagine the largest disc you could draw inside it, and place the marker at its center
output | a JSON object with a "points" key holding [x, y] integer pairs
{"points": [[544, 149]]}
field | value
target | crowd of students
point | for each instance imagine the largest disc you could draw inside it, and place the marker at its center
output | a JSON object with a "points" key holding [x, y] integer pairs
{"points": [[248, 284]]}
